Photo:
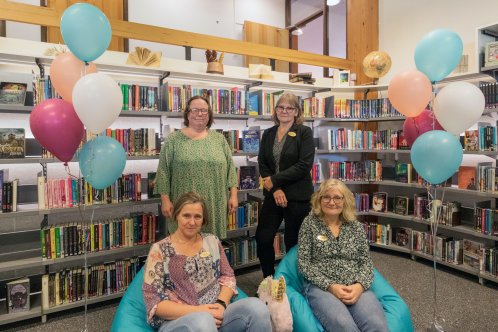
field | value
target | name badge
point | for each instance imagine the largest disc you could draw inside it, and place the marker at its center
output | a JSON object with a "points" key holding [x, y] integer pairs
{"points": [[291, 134], [205, 254], [322, 238]]}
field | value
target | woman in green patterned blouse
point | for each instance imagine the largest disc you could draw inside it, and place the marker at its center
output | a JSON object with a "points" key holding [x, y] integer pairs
{"points": [[200, 160], [334, 259]]}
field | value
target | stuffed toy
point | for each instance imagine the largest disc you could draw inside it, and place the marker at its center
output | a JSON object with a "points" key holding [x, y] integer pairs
{"points": [[272, 292]]}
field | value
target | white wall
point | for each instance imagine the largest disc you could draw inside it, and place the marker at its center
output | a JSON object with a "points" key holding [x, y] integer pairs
{"points": [[221, 18], [402, 23]]}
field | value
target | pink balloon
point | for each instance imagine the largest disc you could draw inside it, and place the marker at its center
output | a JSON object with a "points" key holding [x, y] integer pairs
{"points": [[410, 92], [424, 122], [56, 126], [65, 71]]}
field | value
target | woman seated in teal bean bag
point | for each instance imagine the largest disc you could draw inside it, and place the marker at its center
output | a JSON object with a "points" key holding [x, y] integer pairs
{"points": [[188, 283], [342, 290]]}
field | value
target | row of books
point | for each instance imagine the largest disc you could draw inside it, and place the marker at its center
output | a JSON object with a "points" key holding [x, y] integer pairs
{"points": [[449, 213], [8, 195], [363, 109], [222, 101], [245, 216], [369, 170], [482, 177], [350, 139], [139, 97], [71, 192], [135, 142], [490, 92], [43, 89], [70, 285], [486, 220], [69, 239], [470, 253], [484, 138], [240, 251]]}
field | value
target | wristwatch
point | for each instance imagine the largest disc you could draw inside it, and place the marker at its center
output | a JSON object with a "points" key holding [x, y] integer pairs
{"points": [[223, 303]]}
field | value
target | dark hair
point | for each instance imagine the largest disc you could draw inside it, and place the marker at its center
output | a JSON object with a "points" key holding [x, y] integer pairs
{"points": [[187, 111], [293, 100], [191, 198]]}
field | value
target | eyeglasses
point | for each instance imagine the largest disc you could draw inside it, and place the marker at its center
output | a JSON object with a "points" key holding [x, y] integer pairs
{"points": [[287, 109], [336, 199], [202, 111]]}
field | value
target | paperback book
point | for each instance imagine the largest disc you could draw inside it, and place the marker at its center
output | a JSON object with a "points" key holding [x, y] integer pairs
{"points": [[12, 93], [379, 201], [18, 295], [12, 143]]}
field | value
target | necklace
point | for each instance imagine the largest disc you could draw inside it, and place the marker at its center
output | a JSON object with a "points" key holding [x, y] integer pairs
{"points": [[177, 239]]}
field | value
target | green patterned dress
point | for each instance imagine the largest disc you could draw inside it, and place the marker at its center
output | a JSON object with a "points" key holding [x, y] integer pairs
{"points": [[204, 166]]}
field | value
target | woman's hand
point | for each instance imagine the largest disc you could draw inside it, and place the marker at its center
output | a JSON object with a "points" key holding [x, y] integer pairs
{"points": [[347, 294], [233, 203], [216, 310], [267, 183], [280, 198], [166, 206], [353, 293]]}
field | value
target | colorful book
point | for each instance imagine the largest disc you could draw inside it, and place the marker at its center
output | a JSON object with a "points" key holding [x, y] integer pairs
{"points": [[379, 201], [12, 93], [466, 177]]}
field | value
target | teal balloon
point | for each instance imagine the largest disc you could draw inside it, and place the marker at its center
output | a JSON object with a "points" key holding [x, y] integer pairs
{"points": [[102, 160], [438, 53], [436, 155], [86, 31]]}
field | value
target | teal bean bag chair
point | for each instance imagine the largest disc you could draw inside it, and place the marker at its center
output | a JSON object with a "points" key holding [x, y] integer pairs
{"points": [[396, 311], [130, 315]]}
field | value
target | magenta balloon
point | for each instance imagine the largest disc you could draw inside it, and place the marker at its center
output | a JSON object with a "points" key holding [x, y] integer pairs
{"points": [[422, 123], [55, 124]]}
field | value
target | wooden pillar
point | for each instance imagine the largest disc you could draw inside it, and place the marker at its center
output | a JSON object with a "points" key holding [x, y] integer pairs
{"points": [[362, 37]]}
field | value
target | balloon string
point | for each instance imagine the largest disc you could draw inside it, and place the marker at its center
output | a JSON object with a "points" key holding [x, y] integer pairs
{"points": [[435, 213]]}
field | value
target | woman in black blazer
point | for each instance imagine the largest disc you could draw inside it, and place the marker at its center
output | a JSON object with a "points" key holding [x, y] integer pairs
{"points": [[285, 160]]}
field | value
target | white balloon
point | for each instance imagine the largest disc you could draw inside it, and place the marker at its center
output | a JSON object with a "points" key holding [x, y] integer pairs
{"points": [[97, 100], [458, 106]]}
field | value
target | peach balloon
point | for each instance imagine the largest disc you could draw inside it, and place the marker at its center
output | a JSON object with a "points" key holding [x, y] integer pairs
{"points": [[410, 92], [65, 71]]}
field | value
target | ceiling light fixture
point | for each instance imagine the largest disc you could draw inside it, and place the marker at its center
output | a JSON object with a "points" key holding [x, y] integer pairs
{"points": [[297, 32], [333, 2]]}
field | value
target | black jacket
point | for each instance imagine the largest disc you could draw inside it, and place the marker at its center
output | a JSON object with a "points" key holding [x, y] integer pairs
{"points": [[296, 161]]}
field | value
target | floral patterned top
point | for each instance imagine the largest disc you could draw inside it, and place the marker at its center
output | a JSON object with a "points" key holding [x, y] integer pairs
{"points": [[192, 280], [324, 259]]}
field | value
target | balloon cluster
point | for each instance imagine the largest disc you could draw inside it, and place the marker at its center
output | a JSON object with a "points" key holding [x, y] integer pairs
{"points": [[436, 152], [89, 99]]}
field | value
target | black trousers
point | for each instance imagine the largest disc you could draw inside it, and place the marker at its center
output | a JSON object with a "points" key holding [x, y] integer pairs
{"points": [[270, 218]]}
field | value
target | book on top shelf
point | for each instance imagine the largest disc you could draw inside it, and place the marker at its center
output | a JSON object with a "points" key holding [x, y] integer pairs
{"points": [[13, 93], [18, 295], [12, 143]]}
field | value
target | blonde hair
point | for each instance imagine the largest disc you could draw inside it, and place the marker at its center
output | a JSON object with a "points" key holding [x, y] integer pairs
{"points": [[348, 208], [293, 101], [191, 198]]}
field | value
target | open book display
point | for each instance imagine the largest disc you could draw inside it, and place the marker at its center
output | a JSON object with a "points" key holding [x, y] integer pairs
{"points": [[144, 57]]}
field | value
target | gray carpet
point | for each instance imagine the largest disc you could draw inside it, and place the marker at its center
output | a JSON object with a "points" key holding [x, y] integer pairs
{"points": [[463, 302]]}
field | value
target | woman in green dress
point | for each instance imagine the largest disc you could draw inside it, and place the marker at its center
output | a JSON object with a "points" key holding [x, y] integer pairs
{"points": [[200, 160]]}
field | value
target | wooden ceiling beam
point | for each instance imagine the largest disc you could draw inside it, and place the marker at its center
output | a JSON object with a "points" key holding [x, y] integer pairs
{"points": [[11, 11]]}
